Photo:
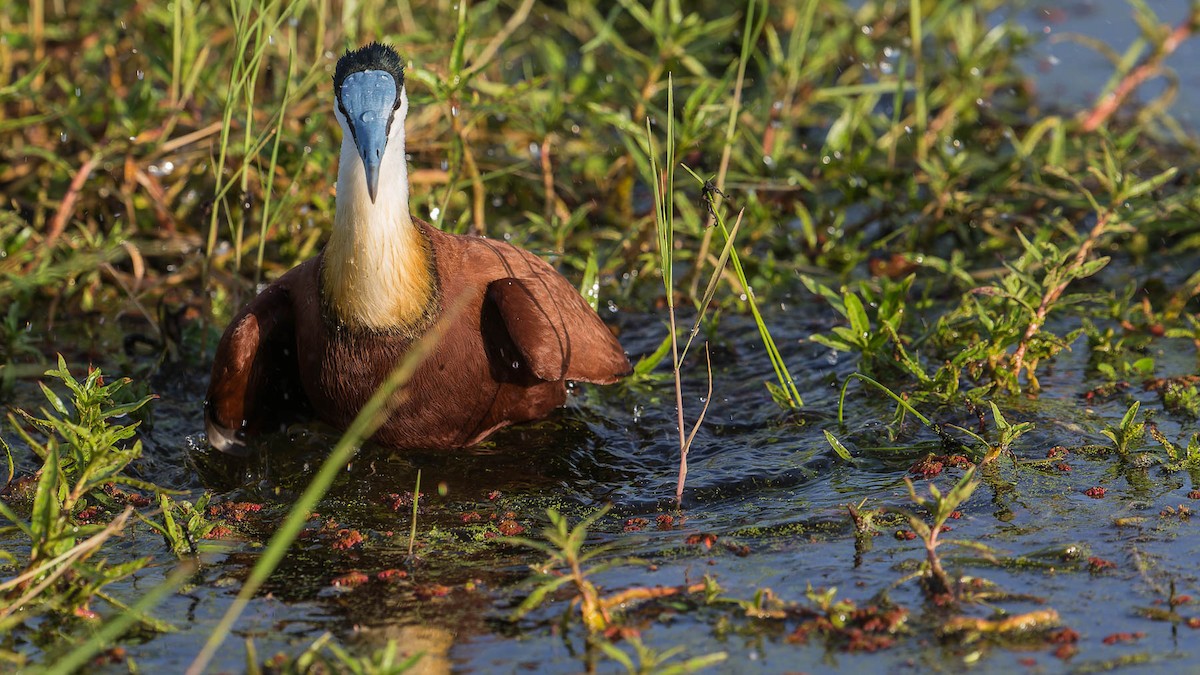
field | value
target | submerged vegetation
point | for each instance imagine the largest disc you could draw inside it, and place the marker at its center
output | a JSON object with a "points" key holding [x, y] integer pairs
{"points": [[970, 253]]}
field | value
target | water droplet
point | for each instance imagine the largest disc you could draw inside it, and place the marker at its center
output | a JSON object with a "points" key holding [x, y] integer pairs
{"points": [[435, 212], [163, 169], [62, 137], [368, 116], [516, 364], [140, 74]]}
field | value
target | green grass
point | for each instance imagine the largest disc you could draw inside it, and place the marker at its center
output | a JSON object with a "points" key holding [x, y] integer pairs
{"points": [[887, 155]]}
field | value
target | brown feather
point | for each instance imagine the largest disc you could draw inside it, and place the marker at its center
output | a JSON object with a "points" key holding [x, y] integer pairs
{"points": [[523, 332]]}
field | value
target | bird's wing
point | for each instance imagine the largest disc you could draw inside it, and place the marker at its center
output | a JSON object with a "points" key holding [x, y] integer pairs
{"points": [[255, 377], [556, 331]]}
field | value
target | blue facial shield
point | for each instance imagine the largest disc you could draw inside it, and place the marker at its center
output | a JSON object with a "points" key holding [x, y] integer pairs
{"points": [[368, 101]]}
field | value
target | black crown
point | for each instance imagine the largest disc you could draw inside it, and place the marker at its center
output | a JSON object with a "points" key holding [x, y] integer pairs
{"points": [[374, 56]]}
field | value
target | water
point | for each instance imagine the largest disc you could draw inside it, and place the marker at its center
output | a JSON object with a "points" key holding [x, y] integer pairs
{"points": [[1070, 75], [764, 482]]}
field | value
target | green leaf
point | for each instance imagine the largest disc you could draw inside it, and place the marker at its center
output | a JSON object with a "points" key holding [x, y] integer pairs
{"points": [[832, 343], [589, 287], [838, 136], [693, 664], [143, 485], [850, 337], [857, 315], [1144, 365], [615, 653], [648, 363], [54, 400], [918, 526], [1149, 184], [1127, 420], [1091, 267], [46, 506], [530, 543], [122, 410], [535, 599], [1001, 423], [9, 459], [838, 447], [962, 490], [13, 518]]}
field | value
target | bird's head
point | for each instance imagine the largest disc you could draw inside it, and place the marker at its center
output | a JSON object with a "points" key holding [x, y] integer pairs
{"points": [[368, 86]]}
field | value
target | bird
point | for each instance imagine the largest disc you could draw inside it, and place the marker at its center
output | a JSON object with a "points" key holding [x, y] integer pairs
{"points": [[320, 339]]}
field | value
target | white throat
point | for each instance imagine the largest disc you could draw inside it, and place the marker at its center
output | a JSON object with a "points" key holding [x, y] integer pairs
{"points": [[377, 269]]}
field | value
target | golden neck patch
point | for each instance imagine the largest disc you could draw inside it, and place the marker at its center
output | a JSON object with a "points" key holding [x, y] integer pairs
{"points": [[378, 271]]}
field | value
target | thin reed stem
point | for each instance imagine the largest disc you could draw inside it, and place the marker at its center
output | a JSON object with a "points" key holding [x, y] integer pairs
{"points": [[1151, 66], [412, 533], [750, 32]]}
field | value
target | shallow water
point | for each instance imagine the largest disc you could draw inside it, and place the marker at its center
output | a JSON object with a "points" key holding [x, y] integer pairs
{"points": [[1070, 75], [759, 479]]}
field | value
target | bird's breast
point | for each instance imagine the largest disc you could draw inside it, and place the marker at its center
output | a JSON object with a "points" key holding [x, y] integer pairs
{"points": [[450, 393]]}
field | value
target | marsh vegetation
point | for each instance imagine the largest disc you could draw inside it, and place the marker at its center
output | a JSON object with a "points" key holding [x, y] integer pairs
{"points": [[917, 345]]}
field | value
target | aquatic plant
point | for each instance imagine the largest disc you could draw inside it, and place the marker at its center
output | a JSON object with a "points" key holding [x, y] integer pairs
{"points": [[1127, 436], [183, 524], [84, 455], [324, 654], [891, 155], [936, 581], [1180, 457], [646, 659], [564, 548], [664, 224]]}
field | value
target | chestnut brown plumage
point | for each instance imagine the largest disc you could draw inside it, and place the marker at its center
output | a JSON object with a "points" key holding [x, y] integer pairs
{"points": [[322, 338]]}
